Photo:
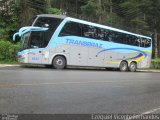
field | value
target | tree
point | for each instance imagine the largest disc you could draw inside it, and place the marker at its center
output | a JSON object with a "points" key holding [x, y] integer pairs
{"points": [[91, 10], [9, 19], [54, 11], [134, 17], [68, 7], [30, 8], [152, 11]]}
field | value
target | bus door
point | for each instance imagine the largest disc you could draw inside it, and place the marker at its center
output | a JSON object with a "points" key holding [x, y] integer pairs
{"points": [[36, 45]]}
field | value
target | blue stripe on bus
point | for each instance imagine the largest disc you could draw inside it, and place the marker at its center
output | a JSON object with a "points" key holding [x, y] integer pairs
{"points": [[145, 54]]}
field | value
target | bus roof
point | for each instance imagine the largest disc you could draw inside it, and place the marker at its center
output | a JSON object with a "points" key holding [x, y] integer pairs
{"points": [[91, 23], [52, 15]]}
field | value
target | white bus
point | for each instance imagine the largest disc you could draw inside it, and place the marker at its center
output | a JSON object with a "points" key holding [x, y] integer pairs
{"points": [[61, 41]]}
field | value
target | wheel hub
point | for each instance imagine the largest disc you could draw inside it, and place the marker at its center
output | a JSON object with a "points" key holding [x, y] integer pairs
{"points": [[59, 62]]}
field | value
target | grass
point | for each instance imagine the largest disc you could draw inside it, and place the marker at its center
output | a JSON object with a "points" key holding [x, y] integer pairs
{"points": [[8, 62], [156, 60], [155, 64]]}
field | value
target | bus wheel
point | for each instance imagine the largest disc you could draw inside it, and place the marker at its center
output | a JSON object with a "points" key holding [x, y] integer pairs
{"points": [[123, 66], [132, 67], [59, 62]]}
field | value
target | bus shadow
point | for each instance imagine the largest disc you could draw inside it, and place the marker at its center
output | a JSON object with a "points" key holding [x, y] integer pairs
{"points": [[43, 67]]}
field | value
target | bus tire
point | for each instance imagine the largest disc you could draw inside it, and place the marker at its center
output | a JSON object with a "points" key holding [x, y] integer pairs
{"points": [[59, 62], [123, 66], [132, 67]]}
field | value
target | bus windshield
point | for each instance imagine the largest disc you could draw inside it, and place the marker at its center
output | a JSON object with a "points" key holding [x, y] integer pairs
{"points": [[35, 39], [49, 22], [24, 41], [40, 39]]}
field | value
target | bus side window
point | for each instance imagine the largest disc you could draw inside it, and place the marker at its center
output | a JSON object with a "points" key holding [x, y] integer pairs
{"points": [[125, 39], [119, 38], [148, 43], [71, 29], [109, 36], [65, 30], [93, 32], [85, 32], [100, 34], [116, 37], [138, 42], [134, 42], [129, 40], [89, 31], [106, 35], [143, 42]]}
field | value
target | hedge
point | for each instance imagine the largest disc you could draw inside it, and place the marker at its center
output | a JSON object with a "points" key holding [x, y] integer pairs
{"points": [[155, 63], [8, 51]]}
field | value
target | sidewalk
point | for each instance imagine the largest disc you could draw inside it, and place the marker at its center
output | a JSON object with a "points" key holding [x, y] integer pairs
{"points": [[149, 70], [9, 65]]}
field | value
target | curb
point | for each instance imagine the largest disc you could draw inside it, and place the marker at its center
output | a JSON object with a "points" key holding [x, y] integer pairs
{"points": [[9, 65], [149, 70]]}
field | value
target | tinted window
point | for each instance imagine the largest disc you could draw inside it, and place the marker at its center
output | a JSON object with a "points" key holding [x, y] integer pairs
{"points": [[36, 39], [88, 31], [147, 43], [128, 39], [71, 28], [49, 22]]}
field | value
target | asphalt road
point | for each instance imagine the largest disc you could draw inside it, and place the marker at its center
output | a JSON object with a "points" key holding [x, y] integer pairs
{"points": [[49, 91]]}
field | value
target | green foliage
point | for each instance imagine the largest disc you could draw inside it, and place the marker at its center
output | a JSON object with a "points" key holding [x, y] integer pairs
{"points": [[9, 20], [92, 10], [54, 11], [155, 64], [156, 59], [30, 8], [8, 50], [135, 15]]}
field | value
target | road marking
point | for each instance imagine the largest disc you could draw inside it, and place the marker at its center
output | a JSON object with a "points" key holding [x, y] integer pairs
{"points": [[151, 111], [145, 113]]}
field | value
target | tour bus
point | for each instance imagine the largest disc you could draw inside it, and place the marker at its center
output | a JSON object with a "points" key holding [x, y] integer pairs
{"points": [[61, 41]]}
